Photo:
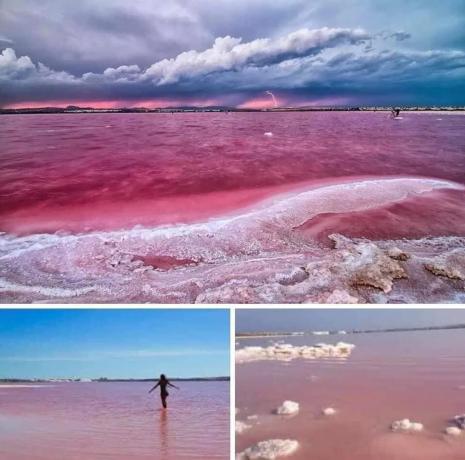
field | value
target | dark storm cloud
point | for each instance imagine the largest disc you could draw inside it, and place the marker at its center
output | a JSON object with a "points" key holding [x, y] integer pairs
{"points": [[231, 50], [400, 36], [88, 35]]}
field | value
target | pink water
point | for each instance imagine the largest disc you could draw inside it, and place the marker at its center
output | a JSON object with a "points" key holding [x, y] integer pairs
{"points": [[190, 193], [94, 421], [106, 171], [389, 376]]}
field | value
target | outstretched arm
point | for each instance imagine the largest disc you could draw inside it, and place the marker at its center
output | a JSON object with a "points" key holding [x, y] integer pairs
{"points": [[174, 386], [157, 384]]}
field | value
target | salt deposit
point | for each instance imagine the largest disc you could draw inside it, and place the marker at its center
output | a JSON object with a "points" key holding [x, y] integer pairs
{"points": [[23, 386], [453, 431], [268, 134], [406, 425], [241, 427], [287, 352], [269, 450], [450, 265], [329, 411], [255, 256], [288, 408], [341, 296]]}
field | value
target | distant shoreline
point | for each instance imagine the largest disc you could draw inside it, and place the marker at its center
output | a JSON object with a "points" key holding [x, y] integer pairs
{"points": [[76, 109], [105, 380], [255, 335]]}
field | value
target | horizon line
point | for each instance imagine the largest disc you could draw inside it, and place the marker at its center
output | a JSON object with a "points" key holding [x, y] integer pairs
{"points": [[105, 379]]}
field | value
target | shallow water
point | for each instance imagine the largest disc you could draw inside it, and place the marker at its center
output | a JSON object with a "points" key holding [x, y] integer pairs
{"points": [[107, 171], [186, 194], [96, 421], [387, 377]]}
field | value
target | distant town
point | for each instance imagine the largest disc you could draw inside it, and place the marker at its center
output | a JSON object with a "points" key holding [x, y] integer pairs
{"points": [[77, 109]]}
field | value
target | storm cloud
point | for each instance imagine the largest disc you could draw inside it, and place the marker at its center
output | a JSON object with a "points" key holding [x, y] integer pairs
{"points": [[227, 52]]}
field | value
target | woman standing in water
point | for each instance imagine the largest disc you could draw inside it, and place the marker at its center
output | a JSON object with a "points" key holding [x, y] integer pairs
{"points": [[163, 383]]}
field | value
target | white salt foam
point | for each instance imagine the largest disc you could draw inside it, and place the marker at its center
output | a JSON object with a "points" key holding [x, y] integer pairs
{"points": [[287, 352], [406, 425], [269, 450], [288, 408], [453, 431], [329, 411], [241, 427]]}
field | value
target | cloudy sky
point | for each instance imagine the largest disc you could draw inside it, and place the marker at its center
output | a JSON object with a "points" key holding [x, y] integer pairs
{"points": [[286, 320], [205, 52]]}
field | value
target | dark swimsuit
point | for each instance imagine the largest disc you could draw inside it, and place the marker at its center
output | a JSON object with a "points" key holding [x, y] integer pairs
{"points": [[163, 391]]}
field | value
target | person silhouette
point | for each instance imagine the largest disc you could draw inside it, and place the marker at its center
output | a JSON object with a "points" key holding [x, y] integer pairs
{"points": [[163, 383], [395, 112]]}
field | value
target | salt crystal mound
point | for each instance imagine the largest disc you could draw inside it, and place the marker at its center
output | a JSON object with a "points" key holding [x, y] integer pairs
{"points": [[453, 431], [329, 411], [288, 408], [407, 426], [288, 352], [253, 257], [241, 427], [269, 450]]}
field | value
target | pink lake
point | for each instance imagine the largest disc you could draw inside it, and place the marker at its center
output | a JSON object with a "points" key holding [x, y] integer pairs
{"points": [[387, 377], [83, 172], [94, 421], [204, 207]]}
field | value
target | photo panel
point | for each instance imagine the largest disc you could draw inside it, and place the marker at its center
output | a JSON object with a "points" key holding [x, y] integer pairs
{"points": [[96, 384], [370, 384]]}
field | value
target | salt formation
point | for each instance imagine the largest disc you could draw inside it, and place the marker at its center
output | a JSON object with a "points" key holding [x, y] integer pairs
{"points": [[257, 255], [450, 265], [287, 352], [269, 450], [369, 264], [241, 427], [341, 296], [406, 425], [268, 134], [458, 426], [397, 254], [288, 408], [453, 431], [329, 411]]}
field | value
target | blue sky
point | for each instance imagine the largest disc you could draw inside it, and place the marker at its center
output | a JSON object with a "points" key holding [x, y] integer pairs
{"points": [[156, 53], [114, 343], [299, 320]]}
